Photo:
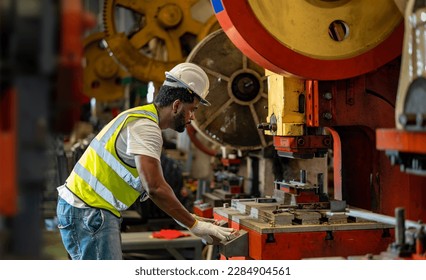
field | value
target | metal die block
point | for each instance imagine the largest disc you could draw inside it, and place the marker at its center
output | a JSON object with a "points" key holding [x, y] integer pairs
{"points": [[281, 218], [215, 200], [338, 206], [247, 207], [236, 202], [307, 217], [237, 247], [231, 215], [282, 197], [335, 217], [257, 213]]}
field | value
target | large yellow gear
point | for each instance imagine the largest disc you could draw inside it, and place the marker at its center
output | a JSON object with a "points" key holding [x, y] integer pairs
{"points": [[314, 39], [354, 27], [163, 34], [102, 75]]}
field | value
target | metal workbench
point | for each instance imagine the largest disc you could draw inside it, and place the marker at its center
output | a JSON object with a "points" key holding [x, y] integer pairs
{"points": [[139, 242]]}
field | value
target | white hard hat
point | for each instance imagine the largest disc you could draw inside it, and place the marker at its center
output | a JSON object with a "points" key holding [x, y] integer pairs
{"points": [[191, 76]]}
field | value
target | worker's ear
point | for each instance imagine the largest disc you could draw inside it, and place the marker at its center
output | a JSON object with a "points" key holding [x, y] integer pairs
{"points": [[175, 106]]}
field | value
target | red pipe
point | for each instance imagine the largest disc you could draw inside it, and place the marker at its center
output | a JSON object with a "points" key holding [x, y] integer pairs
{"points": [[192, 135]]}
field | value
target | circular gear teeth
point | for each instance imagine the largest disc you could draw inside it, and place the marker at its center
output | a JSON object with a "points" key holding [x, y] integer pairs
{"points": [[105, 17], [238, 95], [102, 75], [162, 34]]}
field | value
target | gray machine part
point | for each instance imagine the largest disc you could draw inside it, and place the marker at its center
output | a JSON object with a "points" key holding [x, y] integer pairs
{"points": [[238, 94], [237, 247]]}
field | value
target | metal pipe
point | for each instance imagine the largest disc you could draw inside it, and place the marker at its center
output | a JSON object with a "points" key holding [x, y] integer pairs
{"points": [[381, 218], [192, 135], [400, 226], [320, 182], [303, 176]]}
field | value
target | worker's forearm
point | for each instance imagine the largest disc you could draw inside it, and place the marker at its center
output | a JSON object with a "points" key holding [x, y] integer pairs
{"points": [[168, 202]]}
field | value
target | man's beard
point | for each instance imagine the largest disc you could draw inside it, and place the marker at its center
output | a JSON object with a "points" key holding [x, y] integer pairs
{"points": [[180, 123]]}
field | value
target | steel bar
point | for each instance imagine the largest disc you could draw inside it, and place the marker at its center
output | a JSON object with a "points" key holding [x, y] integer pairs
{"points": [[381, 218]]}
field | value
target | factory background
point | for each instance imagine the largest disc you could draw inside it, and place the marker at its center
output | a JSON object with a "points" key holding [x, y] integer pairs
{"points": [[314, 145]]}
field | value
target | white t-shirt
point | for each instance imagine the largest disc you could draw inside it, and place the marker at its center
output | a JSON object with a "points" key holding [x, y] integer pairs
{"points": [[144, 138], [139, 137]]}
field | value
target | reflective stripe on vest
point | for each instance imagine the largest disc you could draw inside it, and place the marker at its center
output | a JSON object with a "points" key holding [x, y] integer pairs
{"points": [[101, 151], [99, 188]]}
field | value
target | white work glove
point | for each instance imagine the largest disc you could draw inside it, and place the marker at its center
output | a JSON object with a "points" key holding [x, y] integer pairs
{"points": [[207, 220], [208, 230], [198, 218]]}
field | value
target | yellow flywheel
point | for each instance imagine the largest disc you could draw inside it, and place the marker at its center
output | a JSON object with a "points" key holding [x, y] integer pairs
{"points": [[149, 37], [102, 75], [314, 39]]}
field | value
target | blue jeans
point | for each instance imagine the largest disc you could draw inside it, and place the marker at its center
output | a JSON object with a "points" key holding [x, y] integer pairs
{"points": [[89, 233]]}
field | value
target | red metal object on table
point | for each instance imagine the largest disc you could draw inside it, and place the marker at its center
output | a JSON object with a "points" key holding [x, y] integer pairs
{"points": [[298, 245], [313, 244]]}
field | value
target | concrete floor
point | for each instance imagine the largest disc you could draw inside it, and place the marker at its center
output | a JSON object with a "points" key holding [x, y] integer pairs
{"points": [[53, 249]]}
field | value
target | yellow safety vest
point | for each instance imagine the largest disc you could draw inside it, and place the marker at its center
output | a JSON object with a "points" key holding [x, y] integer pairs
{"points": [[100, 178]]}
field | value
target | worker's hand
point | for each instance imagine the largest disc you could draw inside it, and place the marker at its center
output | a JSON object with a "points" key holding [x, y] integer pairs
{"points": [[207, 231], [207, 220]]}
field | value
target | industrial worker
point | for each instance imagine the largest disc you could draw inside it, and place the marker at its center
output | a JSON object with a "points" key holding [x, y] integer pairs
{"points": [[122, 164]]}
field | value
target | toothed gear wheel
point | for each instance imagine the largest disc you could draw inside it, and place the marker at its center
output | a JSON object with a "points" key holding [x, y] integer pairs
{"points": [[157, 34], [102, 75]]}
